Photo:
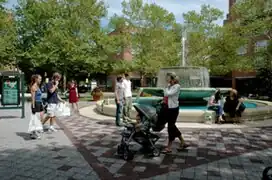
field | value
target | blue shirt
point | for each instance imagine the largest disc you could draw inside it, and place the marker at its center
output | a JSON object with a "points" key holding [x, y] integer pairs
{"points": [[52, 98], [38, 95]]}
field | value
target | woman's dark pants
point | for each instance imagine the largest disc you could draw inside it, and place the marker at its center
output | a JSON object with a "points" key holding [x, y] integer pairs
{"points": [[173, 131]]}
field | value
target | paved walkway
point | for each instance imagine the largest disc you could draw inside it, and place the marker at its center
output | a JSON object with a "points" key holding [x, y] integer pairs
{"points": [[86, 149], [54, 157]]}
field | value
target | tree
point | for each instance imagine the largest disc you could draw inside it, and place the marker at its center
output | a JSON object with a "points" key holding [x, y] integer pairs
{"points": [[201, 27], [214, 46], [253, 17], [150, 30], [7, 37], [223, 52], [62, 34], [264, 67]]}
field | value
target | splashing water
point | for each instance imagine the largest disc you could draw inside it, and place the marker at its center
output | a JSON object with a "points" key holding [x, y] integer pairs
{"points": [[190, 76]]}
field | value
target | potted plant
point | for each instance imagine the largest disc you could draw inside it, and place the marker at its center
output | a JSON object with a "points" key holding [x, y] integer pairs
{"points": [[97, 94]]}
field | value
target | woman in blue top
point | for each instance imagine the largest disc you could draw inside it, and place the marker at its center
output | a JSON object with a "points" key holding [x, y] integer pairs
{"points": [[36, 99]]}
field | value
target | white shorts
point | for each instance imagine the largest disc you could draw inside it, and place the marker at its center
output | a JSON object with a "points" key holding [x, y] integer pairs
{"points": [[52, 110]]}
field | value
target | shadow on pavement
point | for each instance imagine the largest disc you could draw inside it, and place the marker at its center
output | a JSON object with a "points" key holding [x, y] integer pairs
{"points": [[9, 117], [24, 135]]}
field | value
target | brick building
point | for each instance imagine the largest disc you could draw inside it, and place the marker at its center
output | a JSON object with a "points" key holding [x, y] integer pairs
{"points": [[259, 42], [125, 54]]}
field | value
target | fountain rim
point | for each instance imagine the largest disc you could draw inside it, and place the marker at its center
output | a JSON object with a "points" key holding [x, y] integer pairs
{"points": [[184, 67]]}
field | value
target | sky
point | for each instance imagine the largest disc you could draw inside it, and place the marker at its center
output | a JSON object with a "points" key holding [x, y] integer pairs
{"points": [[177, 7]]}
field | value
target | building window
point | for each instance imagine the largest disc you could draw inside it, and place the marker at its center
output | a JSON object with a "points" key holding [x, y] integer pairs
{"points": [[242, 50], [260, 45]]}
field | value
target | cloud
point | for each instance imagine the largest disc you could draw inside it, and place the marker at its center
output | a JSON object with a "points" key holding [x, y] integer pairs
{"points": [[177, 7]]}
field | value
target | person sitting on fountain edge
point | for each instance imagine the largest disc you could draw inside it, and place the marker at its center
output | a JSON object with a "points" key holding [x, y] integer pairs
{"points": [[216, 103]]}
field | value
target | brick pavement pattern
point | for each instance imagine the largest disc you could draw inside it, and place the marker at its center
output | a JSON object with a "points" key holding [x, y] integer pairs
{"points": [[88, 151], [244, 152], [54, 157]]}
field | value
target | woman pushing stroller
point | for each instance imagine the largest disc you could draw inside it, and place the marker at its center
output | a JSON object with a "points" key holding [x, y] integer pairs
{"points": [[171, 101]]}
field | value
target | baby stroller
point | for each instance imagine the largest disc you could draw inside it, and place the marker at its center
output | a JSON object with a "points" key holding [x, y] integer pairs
{"points": [[150, 119], [267, 173]]}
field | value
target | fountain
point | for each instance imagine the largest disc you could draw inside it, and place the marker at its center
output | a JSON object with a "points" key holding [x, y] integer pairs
{"points": [[194, 92], [190, 76], [195, 89], [194, 83]]}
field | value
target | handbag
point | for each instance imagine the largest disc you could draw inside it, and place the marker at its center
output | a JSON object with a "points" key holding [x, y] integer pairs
{"points": [[35, 123], [242, 107], [63, 110]]}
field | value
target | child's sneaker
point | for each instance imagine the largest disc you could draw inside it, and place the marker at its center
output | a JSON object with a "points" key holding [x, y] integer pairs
{"points": [[52, 129]]}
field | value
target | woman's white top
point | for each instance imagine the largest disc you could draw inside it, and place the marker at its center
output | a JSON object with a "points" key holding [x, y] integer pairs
{"points": [[219, 103], [172, 92]]}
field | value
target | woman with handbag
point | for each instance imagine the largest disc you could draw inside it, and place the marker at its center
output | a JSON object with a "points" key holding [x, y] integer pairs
{"points": [[35, 125], [234, 106], [171, 101]]}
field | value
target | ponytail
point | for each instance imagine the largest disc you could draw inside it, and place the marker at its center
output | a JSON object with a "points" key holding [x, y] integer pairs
{"points": [[33, 79]]}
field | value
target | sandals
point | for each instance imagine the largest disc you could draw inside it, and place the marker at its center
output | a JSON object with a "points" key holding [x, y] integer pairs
{"points": [[183, 146], [166, 151]]}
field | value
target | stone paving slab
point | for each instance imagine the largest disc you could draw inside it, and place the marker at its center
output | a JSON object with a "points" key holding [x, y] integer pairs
{"points": [[85, 148], [207, 146], [51, 158]]}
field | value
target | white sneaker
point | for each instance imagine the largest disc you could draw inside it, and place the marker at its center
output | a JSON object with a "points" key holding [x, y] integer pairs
{"points": [[52, 129]]}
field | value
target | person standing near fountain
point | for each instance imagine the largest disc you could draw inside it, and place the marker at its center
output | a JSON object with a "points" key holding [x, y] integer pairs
{"points": [[128, 97], [172, 99], [119, 99]]}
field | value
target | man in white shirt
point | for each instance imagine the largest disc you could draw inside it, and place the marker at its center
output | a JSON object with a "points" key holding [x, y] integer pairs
{"points": [[128, 97]]}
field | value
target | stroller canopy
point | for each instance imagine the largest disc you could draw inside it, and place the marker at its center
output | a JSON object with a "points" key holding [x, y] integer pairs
{"points": [[151, 114], [148, 111]]}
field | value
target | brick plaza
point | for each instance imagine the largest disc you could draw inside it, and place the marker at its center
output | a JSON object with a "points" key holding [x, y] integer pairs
{"points": [[85, 148]]}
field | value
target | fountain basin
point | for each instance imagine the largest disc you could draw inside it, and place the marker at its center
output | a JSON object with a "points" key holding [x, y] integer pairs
{"points": [[193, 96], [256, 111], [186, 94]]}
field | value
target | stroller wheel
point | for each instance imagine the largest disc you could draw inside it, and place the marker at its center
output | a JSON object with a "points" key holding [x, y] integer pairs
{"points": [[267, 173], [156, 152], [120, 150], [128, 155]]}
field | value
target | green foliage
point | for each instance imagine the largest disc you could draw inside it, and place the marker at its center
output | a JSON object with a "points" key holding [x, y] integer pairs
{"points": [[63, 34], [214, 46], [254, 17], [254, 22], [264, 67], [66, 36], [7, 37], [201, 27], [224, 55], [150, 31]]}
